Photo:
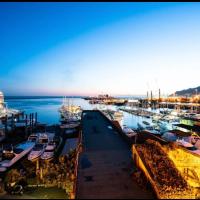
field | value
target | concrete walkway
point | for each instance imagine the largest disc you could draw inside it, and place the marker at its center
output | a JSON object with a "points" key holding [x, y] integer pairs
{"points": [[105, 164]]}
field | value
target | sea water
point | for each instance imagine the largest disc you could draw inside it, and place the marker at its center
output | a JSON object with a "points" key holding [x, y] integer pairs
{"points": [[47, 109]]}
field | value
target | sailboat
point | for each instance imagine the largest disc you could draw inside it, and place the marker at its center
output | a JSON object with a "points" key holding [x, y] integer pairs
{"points": [[70, 112]]}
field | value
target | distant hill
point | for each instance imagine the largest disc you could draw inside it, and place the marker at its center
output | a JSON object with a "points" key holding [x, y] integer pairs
{"points": [[188, 92]]}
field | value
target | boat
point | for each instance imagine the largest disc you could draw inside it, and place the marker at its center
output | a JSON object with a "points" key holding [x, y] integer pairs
{"points": [[4, 111], [43, 138], [70, 113], [12, 154], [183, 143], [146, 123], [128, 131], [118, 114], [39, 148], [149, 127], [33, 137], [155, 132], [70, 125], [48, 154], [36, 152], [2, 132], [140, 127]]}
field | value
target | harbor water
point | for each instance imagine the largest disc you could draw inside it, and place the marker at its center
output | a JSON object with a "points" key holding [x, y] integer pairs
{"points": [[47, 109]]}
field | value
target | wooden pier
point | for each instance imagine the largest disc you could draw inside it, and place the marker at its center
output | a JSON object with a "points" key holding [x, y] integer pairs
{"points": [[105, 165]]}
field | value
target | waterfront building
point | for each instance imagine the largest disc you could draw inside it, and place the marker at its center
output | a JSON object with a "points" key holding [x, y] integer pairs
{"points": [[1, 100]]}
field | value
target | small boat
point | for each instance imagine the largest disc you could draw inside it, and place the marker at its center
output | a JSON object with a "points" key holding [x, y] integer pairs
{"points": [[33, 137], [150, 127], [48, 154], [128, 131], [2, 132], [146, 123], [12, 155], [184, 143], [155, 132], [140, 127], [70, 125], [39, 148], [36, 152], [118, 114], [43, 138]]}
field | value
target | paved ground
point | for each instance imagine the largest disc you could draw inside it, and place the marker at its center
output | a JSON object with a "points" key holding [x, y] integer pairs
{"points": [[105, 164]]}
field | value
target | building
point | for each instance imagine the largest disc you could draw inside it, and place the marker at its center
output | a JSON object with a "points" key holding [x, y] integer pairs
{"points": [[1, 100]]}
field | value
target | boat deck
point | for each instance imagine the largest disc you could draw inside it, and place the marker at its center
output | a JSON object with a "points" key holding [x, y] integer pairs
{"points": [[105, 165]]}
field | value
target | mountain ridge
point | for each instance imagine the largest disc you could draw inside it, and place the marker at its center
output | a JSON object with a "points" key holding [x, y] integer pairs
{"points": [[188, 92]]}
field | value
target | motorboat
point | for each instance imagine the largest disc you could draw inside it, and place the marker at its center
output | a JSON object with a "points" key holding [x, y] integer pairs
{"points": [[70, 125], [12, 154], [39, 148], [48, 154], [2, 132], [128, 131], [140, 127], [184, 143], [146, 123], [43, 138], [33, 137], [36, 152]]}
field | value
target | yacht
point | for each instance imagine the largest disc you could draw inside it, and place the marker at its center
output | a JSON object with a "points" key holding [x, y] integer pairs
{"points": [[12, 155], [70, 113], [48, 154], [4, 111]]}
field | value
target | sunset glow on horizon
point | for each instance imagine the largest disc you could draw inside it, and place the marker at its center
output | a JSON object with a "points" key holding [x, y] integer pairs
{"points": [[99, 48]]}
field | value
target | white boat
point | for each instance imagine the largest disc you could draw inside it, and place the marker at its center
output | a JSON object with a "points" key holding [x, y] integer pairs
{"points": [[70, 125], [70, 112], [48, 154], [33, 137], [2, 132], [4, 111], [184, 143], [39, 148], [16, 154], [36, 152], [118, 114], [128, 131], [43, 138]]}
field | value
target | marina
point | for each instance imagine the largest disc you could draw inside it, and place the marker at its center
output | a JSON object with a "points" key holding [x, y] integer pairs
{"points": [[100, 100], [118, 127]]}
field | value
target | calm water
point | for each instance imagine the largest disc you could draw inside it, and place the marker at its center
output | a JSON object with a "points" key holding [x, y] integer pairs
{"points": [[47, 109]]}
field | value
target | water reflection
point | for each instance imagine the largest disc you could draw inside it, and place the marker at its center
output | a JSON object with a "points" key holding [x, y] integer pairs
{"points": [[47, 109]]}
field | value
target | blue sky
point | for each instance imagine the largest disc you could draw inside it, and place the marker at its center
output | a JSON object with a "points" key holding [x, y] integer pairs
{"points": [[92, 48]]}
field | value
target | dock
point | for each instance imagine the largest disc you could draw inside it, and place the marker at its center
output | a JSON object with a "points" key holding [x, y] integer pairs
{"points": [[105, 165]]}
